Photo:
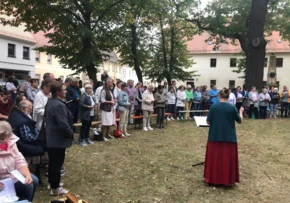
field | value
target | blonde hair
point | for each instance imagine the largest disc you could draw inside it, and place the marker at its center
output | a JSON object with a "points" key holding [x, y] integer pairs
{"points": [[5, 130]]}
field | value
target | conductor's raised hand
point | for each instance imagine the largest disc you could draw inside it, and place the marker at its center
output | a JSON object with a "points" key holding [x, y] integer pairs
{"points": [[242, 110]]}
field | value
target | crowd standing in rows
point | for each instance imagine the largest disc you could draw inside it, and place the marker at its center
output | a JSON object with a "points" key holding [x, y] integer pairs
{"points": [[43, 118]]}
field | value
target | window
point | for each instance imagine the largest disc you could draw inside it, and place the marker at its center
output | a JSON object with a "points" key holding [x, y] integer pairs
{"points": [[212, 63], [11, 50], [26, 53], [233, 62], [232, 84], [49, 60], [266, 63], [212, 82], [279, 62], [37, 57]]}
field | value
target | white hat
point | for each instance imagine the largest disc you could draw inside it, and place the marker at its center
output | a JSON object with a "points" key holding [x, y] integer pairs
{"points": [[188, 86]]}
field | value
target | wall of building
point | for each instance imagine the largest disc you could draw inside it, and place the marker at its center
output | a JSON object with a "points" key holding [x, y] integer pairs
{"points": [[16, 65], [223, 73], [43, 66]]}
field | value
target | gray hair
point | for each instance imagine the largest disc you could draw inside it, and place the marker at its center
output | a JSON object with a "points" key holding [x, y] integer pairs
{"points": [[5, 130]]}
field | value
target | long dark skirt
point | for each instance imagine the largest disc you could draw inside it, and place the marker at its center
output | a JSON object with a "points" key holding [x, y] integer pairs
{"points": [[221, 163]]}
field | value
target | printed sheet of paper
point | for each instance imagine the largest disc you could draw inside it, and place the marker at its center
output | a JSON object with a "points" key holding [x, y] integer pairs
{"points": [[18, 176], [8, 194], [201, 121]]}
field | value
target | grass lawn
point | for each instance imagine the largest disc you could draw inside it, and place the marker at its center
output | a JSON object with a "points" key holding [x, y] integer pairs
{"points": [[156, 166]]}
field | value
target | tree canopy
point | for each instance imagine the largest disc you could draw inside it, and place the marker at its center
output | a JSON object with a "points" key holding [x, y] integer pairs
{"points": [[80, 32]]}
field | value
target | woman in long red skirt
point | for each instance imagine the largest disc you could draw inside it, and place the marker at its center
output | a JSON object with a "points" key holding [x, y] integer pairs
{"points": [[221, 160]]}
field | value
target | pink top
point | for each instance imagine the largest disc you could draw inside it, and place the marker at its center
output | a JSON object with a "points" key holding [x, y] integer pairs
{"points": [[11, 159]]}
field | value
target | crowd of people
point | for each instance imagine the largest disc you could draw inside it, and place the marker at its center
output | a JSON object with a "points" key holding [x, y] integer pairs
{"points": [[40, 119]]}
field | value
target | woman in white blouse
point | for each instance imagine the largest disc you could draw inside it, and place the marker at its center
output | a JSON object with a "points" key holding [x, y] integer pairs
{"points": [[232, 98], [180, 104]]}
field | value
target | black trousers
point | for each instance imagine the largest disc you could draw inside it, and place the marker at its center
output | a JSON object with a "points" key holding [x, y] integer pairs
{"points": [[56, 159], [85, 129], [75, 112], [263, 112], [254, 110], [284, 108], [239, 105]]}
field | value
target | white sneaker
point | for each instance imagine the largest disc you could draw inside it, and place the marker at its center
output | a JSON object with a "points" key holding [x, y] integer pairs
{"points": [[58, 191], [275, 116], [149, 128], [178, 118], [60, 185], [168, 119], [190, 118], [172, 118], [182, 118], [145, 129], [105, 139], [96, 132]]}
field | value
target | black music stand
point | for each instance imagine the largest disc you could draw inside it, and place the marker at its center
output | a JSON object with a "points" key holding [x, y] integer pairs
{"points": [[200, 126]]}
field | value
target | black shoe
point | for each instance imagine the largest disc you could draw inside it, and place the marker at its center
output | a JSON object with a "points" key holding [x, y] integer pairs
{"points": [[162, 127]]}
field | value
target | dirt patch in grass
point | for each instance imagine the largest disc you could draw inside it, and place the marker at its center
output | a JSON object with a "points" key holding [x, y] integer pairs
{"points": [[157, 166]]}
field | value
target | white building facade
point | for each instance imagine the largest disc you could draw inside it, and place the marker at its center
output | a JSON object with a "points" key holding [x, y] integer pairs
{"points": [[17, 55], [216, 66]]}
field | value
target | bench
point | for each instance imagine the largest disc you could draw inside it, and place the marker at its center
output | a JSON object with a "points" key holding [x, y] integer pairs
{"points": [[94, 123], [141, 117], [37, 161]]}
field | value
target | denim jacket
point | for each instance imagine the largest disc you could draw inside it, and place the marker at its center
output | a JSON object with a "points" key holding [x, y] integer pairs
{"points": [[123, 101]]}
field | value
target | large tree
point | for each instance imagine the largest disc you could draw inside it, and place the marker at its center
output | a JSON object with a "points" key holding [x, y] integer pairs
{"points": [[168, 55], [134, 33], [245, 21], [80, 32]]}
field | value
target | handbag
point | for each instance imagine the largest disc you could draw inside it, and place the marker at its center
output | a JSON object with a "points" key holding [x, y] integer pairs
{"points": [[118, 134], [73, 198]]}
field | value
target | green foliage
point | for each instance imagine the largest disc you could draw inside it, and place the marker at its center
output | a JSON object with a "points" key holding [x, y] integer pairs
{"points": [[80, 31], [228, 21], [168, 55]]}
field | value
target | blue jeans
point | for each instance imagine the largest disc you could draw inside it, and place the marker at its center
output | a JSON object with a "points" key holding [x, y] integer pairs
{"points": [[26, 192], [160, 115]]}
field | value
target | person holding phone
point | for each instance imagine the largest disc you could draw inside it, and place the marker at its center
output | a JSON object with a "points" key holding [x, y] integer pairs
{"points": [[221, 159], [160, 106]]}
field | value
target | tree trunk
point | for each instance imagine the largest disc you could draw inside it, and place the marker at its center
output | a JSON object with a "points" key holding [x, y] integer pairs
{"points": [[169, 81], [172, 46], [256, 44], [135, 52], [163, 48]]}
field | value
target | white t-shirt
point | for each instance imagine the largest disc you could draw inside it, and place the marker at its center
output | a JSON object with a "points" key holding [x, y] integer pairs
{"points": [[10, 86], [232, 99]]}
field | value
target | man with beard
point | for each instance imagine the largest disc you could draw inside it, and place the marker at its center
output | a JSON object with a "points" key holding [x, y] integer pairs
{"points": [[25, 128]]}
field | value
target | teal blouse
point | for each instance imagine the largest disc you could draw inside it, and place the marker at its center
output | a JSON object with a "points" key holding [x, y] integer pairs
{"points": [[222, 117]]}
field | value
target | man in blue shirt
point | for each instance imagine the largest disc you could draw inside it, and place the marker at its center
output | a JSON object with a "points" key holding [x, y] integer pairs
{"points": [[213, 93]]}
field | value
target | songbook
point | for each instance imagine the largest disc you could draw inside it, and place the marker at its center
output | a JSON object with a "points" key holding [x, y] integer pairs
{"points": [[8, 194], [201, 121]]}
